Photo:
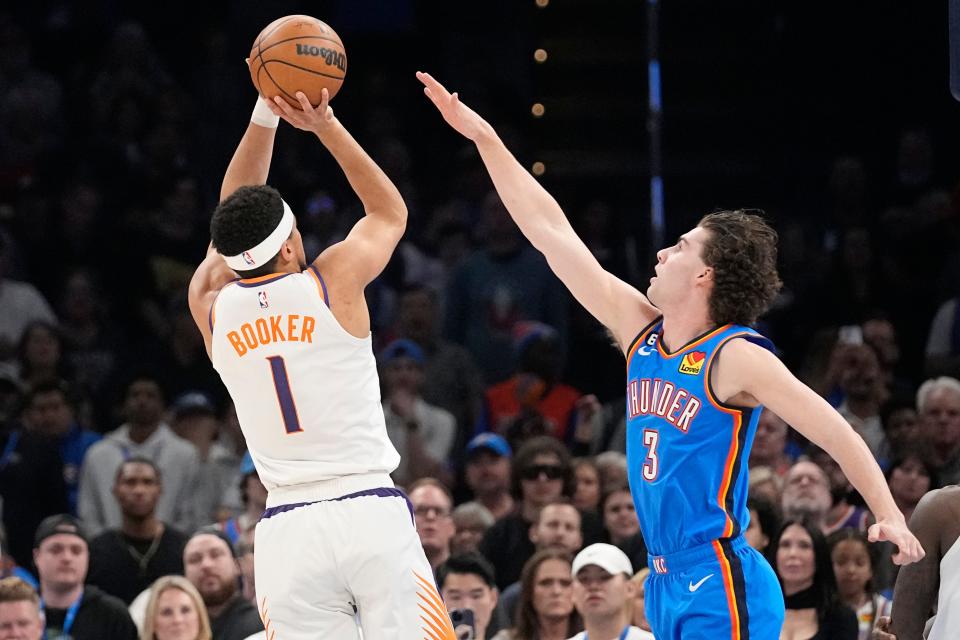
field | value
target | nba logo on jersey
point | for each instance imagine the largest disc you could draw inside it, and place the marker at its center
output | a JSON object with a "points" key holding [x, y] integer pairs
{"points": [[248, 258], [262, 297], [692, 363]]}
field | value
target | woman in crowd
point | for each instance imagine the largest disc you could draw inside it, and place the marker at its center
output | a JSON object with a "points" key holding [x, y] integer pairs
{"points": [[175, 611], [619, 515], [545, 609], [801, 559], [909, 478], [853, 566], [40, 354], [586, 497]]}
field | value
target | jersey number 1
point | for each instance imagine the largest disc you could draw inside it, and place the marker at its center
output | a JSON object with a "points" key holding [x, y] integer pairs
{"points": [[288, 408]]}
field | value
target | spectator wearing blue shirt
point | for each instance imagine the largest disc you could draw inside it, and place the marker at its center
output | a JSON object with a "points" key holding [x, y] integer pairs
{"points": [[51, 413]]}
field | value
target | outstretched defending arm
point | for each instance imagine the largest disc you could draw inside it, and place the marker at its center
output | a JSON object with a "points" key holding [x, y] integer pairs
{"points": [[616, 304], [747, 371]]}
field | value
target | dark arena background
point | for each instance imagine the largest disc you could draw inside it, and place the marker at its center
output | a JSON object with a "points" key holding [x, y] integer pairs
{"points": [[118, 119]]}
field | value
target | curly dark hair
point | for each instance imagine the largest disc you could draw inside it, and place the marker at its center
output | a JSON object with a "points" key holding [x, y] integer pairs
{"points": [[742, 251], [534, 447], [243, 220]]}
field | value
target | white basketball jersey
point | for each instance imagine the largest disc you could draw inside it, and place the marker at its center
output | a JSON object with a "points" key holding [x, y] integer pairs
{"points": [[306, 391], [947, 622]]}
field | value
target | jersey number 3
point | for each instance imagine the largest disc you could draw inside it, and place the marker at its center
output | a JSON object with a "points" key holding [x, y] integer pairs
{"points": [[651, 466], [288, 408]]}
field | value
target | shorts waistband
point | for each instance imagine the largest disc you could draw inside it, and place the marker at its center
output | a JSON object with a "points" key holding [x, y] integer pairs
{"points": [[327, 489], [685, 559]]}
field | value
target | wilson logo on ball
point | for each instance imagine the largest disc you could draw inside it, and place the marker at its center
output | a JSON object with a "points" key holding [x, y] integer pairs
{"points": [[331, 57]]}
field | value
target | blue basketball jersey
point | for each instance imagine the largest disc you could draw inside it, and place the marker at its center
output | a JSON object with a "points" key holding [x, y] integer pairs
{"points": [[686, 451]]}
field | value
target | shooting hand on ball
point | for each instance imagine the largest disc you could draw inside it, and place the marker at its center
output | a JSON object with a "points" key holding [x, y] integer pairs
{"points": [[318, 120], [458, 115]]}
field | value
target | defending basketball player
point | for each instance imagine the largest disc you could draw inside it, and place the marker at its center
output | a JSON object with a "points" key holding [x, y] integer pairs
{"points": [[292, 343], [697, 378]]}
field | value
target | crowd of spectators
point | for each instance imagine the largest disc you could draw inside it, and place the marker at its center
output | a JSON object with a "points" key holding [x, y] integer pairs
{"points": [[129, 504]]}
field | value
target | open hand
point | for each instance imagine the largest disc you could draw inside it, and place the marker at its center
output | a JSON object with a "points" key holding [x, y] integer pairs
{"points": [[308, 118], [458, 115], [908, 547]]}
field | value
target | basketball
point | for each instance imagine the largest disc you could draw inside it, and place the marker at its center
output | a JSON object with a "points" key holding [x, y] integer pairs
{"points": [[297, 53]]}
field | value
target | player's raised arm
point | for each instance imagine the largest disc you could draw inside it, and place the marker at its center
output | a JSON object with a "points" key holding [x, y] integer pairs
{"points": [[249, 165], [364, 253], [746, 368], [616, 304]]}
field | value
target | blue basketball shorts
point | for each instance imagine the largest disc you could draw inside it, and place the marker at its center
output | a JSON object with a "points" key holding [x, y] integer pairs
{"points": [[723, 589]]}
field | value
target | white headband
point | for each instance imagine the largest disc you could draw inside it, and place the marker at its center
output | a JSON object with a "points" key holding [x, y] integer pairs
{"points": [[263, 252]]}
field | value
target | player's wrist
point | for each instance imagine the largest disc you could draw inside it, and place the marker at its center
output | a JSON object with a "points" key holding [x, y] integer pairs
{"points": [[262, 115]]}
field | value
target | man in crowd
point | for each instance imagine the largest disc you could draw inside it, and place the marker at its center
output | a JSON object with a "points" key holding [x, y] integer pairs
{"points": [[72, 609], [938, 404], [466, 582], [806, 494], [125, 561], [144, 434], [488, 473], [558, 527], [432, 507], [601, 589], [52, 414], [20, 617], [541, 474], [210, 563]]}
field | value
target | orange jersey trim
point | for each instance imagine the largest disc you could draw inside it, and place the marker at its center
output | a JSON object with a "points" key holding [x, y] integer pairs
{"points": [[727, 573], [689, 345], [259, 279]]}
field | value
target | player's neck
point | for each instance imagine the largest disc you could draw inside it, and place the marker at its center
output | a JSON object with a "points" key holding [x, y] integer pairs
{"points": [[681, 329], [60, 596], [142, 528], [605, 627]]}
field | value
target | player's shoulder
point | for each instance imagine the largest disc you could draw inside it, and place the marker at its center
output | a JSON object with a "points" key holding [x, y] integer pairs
{"points": [[940, 501]]}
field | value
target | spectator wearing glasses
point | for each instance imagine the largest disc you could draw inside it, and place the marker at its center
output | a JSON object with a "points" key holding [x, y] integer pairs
{"points": [[432, 505], [542, 473]]}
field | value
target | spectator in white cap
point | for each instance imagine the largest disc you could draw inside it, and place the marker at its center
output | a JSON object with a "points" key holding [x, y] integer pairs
{"points": [[601, 591]]}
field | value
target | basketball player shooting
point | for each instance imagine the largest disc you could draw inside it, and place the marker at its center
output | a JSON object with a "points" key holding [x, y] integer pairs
{"points": [[292, 343], [697, 378]]}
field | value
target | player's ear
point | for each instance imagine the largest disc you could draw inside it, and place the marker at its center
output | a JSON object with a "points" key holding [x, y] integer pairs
{"points": [[706, 275]]}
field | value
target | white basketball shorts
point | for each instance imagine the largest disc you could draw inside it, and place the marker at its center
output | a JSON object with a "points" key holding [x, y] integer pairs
{"points": [[322, 566]]}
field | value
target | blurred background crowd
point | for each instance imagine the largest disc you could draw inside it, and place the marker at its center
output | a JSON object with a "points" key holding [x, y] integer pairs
{"points": [[505, 400]]}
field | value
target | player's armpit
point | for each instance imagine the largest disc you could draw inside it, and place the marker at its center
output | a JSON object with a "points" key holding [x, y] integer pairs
{"points": [[212, 275], [917, 584]]}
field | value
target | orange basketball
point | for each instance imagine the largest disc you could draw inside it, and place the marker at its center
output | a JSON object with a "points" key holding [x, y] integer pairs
{"points": [[297, 53]]}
